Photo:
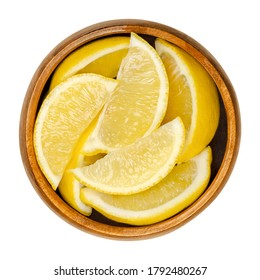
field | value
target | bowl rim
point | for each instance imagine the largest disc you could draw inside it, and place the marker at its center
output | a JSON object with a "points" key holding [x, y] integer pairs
{"points": [[32, 98]]}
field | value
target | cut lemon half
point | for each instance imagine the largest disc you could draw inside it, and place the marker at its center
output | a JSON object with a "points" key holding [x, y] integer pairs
{"points": [[184, 184], [193, 96], [65, 113], [138, 166], [102, 56], [138, 104]]}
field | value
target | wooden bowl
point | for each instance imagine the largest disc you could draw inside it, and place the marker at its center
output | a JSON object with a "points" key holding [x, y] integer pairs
{"points": [[225, 144]]}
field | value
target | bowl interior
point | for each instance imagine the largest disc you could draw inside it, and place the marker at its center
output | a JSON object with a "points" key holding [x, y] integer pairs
{"points": [[224, 144]]}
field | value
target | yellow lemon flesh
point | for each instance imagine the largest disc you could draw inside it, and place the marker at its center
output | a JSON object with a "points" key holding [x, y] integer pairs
{"points": [[138, 104], [102, 56], [138, 166], [183, 185], [193, 97], [64, 114]]}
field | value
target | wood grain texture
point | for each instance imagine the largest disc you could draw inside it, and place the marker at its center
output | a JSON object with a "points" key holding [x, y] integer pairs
{"points": [[225, 144]]}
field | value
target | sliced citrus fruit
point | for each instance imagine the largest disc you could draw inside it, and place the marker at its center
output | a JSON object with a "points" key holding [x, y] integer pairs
{"points": [[138, 104], [102, 56], [183, 185], [69, 187], [138, 166], [65, 113], [193, 96]]}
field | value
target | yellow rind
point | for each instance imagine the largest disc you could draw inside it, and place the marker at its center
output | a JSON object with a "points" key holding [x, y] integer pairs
{"points": [[102, 56], [204, 97]]}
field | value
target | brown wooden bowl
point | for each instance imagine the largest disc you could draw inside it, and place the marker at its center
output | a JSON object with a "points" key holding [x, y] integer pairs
{"points": [[225, 144]]}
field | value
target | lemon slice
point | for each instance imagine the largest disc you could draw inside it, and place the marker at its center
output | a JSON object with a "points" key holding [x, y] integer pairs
{"points": [[184, 184], [138, 104], [64, 115], [138, 166], [102, 56], [193, 96]]}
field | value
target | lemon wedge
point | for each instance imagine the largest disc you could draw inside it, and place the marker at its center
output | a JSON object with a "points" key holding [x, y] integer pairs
{"points": [[65, 113], [183, 185], [102, 56], [138, 166], [193, 97], [138, 104]]}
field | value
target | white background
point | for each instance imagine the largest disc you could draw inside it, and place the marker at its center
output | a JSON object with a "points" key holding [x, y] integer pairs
{"points": [[225, 237]]}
